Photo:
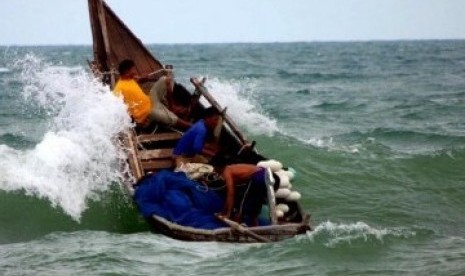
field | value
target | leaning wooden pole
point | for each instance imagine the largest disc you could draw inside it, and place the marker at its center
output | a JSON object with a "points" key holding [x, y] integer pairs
{"points": [[242, 229], [204, 92]]}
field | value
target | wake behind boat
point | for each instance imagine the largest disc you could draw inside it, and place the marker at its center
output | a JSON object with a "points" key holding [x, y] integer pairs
{"points": [[176, 205]]}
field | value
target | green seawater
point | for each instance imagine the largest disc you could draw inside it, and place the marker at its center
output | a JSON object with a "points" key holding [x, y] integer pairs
{"points": [[374, 130]]}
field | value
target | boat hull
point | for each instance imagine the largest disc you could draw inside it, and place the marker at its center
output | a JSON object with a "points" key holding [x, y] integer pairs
{"points": [[272, 233]]}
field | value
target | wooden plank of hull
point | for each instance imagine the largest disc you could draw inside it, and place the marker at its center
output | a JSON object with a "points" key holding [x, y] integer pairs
{"points": [[157, 157], [272, 233], [243, 229], [131, 150], [157, 165], [155, 154], [147, 138]]}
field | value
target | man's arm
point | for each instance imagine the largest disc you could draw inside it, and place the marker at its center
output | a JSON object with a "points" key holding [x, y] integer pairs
{"points": [[209, 149], [229, 182], [152, 76], [169, 82], [234, 175]]}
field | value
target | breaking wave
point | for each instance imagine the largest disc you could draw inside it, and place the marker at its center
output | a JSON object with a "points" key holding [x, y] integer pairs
{"points": [[242, 107], [333, 234], [77, 158]]}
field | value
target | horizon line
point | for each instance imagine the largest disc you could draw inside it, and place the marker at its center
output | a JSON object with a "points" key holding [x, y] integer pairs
{"points": [[249, 42]]}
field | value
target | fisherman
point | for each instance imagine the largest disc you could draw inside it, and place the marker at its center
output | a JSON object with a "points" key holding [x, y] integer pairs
{"points": [[192, 147], [138, 103], [165, 109], [246, 192], [148, 109]]}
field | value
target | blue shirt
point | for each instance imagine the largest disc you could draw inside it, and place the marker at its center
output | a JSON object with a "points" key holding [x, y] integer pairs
{"points": [[192, 141]]}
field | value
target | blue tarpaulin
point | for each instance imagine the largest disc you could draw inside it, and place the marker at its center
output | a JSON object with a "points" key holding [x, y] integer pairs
{"points": [[173, 196]]}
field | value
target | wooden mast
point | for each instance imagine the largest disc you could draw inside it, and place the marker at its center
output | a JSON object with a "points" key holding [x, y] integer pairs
{"points": [[113, 41], [100, 55], [106, 42]]}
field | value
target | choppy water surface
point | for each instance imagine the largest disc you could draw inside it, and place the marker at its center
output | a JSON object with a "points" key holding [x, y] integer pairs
{"points": [[375, 131]]}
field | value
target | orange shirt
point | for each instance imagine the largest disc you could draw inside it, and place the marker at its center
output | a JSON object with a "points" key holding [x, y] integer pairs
{"points": [[139, 104]]}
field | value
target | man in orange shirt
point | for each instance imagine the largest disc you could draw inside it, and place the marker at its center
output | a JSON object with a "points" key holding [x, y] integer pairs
{"points": [[142, 107], [139, 104]]}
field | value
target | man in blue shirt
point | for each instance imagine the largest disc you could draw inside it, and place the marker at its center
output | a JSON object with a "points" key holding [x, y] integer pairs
{"points": [[191, 147]]}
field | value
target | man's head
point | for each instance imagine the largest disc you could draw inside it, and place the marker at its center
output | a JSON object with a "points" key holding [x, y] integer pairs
{"points": [[211, 116], [168, 70], [127, 68]]}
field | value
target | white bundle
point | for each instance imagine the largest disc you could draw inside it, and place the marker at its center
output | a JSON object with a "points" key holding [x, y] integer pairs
{"points": [[283, 207], [290, 173], [284, 181], [293, 196], [282, 193], [272, 164]]}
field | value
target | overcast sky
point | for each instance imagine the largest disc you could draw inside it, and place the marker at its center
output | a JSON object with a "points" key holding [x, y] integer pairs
{"points": [[45, 22]]}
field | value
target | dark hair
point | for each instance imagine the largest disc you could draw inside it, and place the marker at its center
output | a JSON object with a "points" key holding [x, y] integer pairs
{"points": [[125, 65], [210, 112]]}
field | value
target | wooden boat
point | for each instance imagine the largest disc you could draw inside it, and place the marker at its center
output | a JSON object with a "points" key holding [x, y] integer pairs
{"points": [[151, 152]]}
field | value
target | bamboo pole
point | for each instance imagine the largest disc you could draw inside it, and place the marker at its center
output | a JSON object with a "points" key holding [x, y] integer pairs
{"points": [[236, 226], [204, 92]]}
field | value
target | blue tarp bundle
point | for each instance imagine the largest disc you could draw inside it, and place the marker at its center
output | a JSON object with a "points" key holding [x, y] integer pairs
{"points": [[173, 196]]}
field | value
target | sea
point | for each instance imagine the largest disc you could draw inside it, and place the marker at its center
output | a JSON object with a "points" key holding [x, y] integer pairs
{"points": [[374, 130]]}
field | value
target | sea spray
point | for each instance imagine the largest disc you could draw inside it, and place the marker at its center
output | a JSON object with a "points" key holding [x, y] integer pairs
{"points": [[244, 106], [243, 109], [78, 156]]}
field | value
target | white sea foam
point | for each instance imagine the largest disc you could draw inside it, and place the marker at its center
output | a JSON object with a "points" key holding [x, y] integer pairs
{"points": [[4, 70], [77, 158], [328, 143], [243, 109], [334, 234]]}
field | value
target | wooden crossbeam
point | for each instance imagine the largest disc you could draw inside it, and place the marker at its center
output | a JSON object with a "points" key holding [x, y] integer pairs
{"points": [[167, 136], [155, 154], [158, 164]]}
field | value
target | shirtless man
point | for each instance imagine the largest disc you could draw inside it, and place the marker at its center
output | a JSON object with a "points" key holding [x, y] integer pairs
{"points": [[255, 196]]}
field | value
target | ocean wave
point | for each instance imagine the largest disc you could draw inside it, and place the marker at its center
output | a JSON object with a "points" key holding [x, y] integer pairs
{"points": [[76, 159], [413, 142], [306, 77], [241, 106], [338, 234], [4, 70], [331, 144], [16, 140], [386, 141], [339, 105], [62, 253]]}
